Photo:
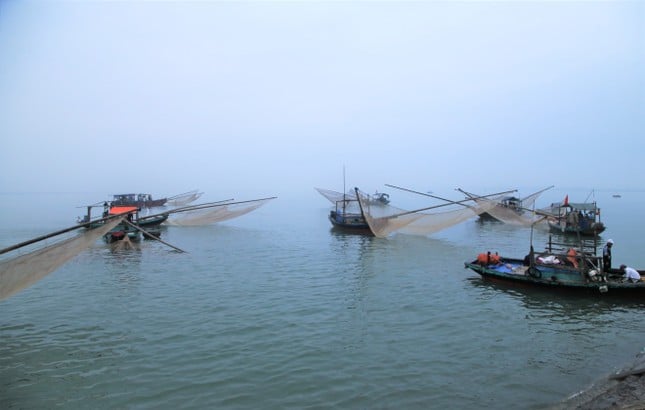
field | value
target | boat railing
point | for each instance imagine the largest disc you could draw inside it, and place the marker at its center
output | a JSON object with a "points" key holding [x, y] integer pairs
{"points": [[587, 246], [584, 252]]}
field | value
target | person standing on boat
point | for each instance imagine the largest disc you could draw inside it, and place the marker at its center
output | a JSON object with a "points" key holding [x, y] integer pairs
{"points": [[631, 274], [606, 255]]}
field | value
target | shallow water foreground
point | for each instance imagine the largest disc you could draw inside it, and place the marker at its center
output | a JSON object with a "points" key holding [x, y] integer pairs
{"points": [[263, 313]]}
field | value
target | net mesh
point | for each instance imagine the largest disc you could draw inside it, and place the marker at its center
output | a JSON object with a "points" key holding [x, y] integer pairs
{"points": [[184, 199], [214, 213], [523, 217], [386, 219], [24, 270], [335, 196]]}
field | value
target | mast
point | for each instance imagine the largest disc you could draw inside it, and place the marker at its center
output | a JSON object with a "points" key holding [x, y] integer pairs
{"points": [[344, 193]]}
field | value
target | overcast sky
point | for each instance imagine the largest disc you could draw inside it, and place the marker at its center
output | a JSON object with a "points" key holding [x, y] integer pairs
{"points": [[246, 98]]}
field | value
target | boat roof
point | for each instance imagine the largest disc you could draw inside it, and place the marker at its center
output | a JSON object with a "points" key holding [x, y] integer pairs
{"points": [[117, 210], [583, 206]]}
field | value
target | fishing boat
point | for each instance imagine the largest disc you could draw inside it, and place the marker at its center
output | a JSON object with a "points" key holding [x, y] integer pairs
{"points": [[569, 269], [138, 200], [348, 215], [132, 227], [575, 218], [380, 198]]}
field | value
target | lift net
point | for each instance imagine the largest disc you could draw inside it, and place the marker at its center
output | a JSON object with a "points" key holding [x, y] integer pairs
{"points": [[205, 215], [386, 219], [509, 215], [24, 270], [335, 196], [184, 199]]}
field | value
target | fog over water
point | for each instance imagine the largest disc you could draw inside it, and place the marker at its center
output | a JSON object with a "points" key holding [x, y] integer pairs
{"points": [[274, 98]]}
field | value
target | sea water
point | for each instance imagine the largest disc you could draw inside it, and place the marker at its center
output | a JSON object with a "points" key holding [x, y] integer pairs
{"points": [[277, 310]]}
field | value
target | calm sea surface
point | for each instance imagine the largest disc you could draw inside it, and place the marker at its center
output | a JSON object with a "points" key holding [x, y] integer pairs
{"points": [[276, 310]]}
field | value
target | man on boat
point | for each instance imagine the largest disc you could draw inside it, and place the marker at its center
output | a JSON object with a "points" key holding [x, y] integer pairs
{"points": [[606, 255], [631, 274]]}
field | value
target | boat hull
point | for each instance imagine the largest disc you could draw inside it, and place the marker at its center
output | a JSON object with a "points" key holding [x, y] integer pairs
{"points": [[592, 230], [513, 271], [352, 222]]}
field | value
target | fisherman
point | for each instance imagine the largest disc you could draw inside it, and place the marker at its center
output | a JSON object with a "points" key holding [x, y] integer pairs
{"points": [[631, 274], [606, 255]]}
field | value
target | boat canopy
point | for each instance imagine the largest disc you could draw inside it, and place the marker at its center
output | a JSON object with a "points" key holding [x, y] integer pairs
{"points": [[582, 206], [117, 210]]}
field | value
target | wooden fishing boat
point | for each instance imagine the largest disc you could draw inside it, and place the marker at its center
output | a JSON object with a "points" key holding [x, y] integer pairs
{"points": [[348, 215], [380, 198], [132, 227], [577, 269], [575, 218]]}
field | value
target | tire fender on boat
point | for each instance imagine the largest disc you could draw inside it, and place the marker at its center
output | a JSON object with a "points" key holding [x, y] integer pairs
{"points": [[534, 272]]}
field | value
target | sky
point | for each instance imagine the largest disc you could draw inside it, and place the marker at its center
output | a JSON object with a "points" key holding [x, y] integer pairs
{"points": [[260, 98]]}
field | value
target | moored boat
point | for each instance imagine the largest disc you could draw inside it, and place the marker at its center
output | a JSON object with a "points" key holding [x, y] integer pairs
{"points": [[575, 218], [349, 215], [577, 269], [380, 198], [132, 227]]}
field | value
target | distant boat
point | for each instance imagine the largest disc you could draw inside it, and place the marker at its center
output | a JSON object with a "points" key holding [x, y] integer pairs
{"points": [[575, 218], [616, 195], [380, 198], [347, 213]]}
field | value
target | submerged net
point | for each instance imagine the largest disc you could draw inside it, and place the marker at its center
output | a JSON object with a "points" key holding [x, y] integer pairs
{"points": [[24, 270], [386, 219], [205, 215]]}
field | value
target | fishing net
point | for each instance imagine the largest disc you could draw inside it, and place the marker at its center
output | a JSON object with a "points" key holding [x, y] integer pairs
{"points": [[24, 270], [385, 219], [335, 196], [184, 199], [205, 215], [508, 214]]}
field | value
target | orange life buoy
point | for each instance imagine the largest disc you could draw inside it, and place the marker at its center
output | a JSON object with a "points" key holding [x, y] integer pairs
{"points": [[488, 259]]}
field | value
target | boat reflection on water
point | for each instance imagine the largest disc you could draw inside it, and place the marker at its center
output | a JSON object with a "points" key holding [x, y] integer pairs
{"points": [[560, 303]]}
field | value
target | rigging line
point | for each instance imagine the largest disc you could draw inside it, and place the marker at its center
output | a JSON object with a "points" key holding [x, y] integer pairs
{"points": [[148, 234], [439, 206]]}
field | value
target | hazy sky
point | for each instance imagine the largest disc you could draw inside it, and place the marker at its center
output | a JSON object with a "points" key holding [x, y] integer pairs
{"points": [[246, 98]]}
